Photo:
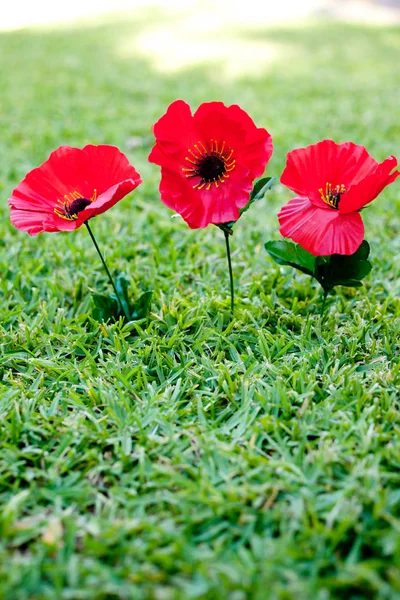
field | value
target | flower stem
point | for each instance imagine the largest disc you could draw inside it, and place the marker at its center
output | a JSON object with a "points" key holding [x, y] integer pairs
{"points": [[228, 254], [121, 306]]}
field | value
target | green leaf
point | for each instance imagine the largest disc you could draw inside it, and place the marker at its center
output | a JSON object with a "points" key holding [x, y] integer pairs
{"points": [[261, 187], [122, 285], [258, 192], [105, 307], [141, 307], [293, 255], [349, 283], [283, 252], [305, 259], [329, 271], [108, 307], [363, 251], [346, 270]]}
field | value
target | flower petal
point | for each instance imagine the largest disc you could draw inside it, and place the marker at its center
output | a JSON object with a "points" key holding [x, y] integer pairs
{"points": [[34, 222], [311, 168], [232, 125], [105, 168], [258, 151], [175, 133], [321, 231], [215, 121], [108, 199], [44, 185], [370, 187], [199, 208]]}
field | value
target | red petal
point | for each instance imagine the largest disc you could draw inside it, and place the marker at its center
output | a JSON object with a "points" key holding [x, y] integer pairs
{"points": [[159, 157], [34, 222], [370, 187], [215, 121], [106, 167], [311, 168], [258, 152], [321, 231], [108, 199], [175, 133], [199, 208], [44, 185], [252, 145]]}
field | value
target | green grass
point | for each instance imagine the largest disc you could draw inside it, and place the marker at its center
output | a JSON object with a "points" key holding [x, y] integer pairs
{"points": [[189, 456]]}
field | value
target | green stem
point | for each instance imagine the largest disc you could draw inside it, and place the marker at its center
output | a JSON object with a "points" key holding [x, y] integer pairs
{"points": [[228, 253], [121, 306]]}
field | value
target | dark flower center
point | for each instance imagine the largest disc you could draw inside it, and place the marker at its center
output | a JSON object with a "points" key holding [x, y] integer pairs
{"points": [[211, 168], [76, 207], [211, 162], [72, 204], [332, 194]]}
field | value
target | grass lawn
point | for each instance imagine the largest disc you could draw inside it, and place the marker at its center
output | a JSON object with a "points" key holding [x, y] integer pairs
{"points": [[189, 456]]}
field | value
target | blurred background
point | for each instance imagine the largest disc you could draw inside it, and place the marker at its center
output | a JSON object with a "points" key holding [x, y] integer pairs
{"points": [[26, 13], [88, 67]]}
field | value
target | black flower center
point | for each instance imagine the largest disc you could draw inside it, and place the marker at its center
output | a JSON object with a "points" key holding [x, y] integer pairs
{"points": [[76, 206], [211, 168], [211, 162]]}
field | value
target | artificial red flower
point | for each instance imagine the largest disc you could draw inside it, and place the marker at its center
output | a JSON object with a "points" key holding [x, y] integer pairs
{"points": [[208, 160], [70, 187], [333, 182]]}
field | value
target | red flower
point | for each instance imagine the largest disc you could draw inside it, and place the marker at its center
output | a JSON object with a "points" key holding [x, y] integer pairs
{"points": [[208, 160], [333, 182], [72, 186]]}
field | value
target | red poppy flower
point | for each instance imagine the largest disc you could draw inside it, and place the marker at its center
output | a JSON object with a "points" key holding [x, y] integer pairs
{"points": [[72, 186], [333, 182], [208, 160]]}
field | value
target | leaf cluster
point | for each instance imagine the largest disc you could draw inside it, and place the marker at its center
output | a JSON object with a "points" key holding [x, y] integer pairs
{"points": [[329, 271]]}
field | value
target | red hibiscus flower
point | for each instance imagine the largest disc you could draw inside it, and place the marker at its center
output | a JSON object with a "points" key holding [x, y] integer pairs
{"points": [[72, 186], [333, 182], [208, 160]]}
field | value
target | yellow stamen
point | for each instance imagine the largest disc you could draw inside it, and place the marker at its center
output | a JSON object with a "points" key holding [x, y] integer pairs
{"points": [[203, 148], [332, 194], [194, 155]]}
